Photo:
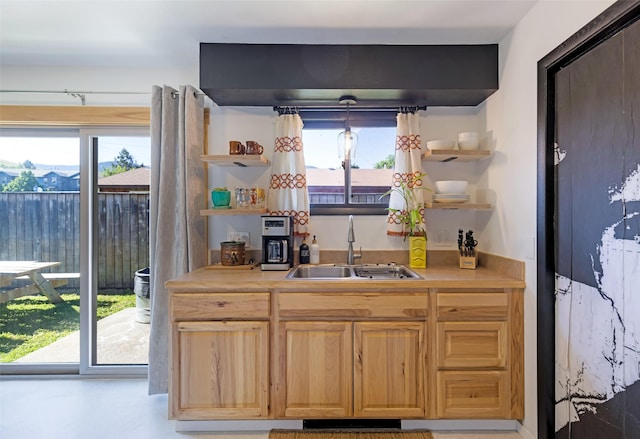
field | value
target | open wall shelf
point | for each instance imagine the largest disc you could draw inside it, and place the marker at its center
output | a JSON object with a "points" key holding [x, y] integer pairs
{"points": [[463, 206], [241, 160], [457, 155], [212, 212]]}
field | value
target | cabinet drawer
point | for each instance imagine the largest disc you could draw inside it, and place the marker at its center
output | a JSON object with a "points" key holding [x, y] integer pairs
{"points": [[366, 305], [472, 306], [471, 344], [472, 395], [219, 306]]}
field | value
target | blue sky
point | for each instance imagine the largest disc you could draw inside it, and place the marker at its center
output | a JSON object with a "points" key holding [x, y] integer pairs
{"points": [[320, 146], [66, 150]]}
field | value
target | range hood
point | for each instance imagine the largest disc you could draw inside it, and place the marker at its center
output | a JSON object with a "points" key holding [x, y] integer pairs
{"points": [[377, 75]]}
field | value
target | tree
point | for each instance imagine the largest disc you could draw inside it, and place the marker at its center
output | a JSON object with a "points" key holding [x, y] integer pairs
{"points": [[387, 163], [25, 182], [28, 165], [122, 163]]}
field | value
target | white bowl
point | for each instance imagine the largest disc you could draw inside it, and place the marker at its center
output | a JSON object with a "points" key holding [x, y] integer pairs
{"points": [[451, 186], [441, 144], [468, 140]]}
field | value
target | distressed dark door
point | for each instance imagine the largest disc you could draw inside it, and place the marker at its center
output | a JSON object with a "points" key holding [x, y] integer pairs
{"points": [[597, 241]]}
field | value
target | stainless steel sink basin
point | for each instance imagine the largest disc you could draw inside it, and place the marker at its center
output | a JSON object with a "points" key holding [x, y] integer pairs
{"points": [[365, 271], [320, 272], [391, 271]]}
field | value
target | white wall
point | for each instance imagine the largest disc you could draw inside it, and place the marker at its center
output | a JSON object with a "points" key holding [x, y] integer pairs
{"points": [[96, 79], [511, 117], [256, 123]]}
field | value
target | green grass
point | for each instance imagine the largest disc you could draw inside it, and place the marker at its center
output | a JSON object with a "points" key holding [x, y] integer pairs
{"points": [[32, 322]]}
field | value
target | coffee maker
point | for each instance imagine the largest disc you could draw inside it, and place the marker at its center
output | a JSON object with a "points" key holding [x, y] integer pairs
{"points": [[277, 242]]}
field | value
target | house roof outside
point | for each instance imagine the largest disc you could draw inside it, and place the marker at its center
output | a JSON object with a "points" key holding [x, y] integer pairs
{"points": [[39, 173], [359, 177], [134, 179]]}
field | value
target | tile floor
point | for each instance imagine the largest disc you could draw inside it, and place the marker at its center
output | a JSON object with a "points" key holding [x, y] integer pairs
{"points": [[108, 409]]}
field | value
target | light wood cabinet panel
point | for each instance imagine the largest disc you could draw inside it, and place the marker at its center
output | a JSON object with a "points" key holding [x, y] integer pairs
{"points": [[479, 357], [472, 344], [219, 306], [220, 370], [354, 305], [472, 395], [389, 370], [318, 369], [458, 306], [516, 353]]}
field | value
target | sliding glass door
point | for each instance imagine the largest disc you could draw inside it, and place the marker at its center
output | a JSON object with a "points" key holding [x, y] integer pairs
{"points": [[39, 249], [76, 204]]}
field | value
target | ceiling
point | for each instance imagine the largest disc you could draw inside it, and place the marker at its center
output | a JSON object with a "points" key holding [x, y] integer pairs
{"points": [[154, 33]]}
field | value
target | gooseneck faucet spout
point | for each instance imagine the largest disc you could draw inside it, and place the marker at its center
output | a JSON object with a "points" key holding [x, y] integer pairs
{"points": [[351, 238]]}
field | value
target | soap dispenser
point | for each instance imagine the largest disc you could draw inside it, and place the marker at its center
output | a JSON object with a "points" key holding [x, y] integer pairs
{"points": [[314, 256]]}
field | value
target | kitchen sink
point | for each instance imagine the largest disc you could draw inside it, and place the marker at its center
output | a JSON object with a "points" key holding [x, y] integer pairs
{"points": [[391, 271], [319, 272], [365, 271]]}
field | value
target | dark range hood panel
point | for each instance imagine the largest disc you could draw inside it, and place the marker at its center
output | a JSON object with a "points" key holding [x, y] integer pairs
{"points": [[377, 75]]}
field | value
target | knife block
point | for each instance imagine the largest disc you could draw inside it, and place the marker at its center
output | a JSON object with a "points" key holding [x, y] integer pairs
{"points": [[469, 262]]}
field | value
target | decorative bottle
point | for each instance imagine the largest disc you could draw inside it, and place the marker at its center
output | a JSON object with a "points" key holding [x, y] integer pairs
{"points": [[314, 255]]}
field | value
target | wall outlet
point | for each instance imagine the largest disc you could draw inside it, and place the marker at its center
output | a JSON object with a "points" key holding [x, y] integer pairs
{"points": [[240, 237]]}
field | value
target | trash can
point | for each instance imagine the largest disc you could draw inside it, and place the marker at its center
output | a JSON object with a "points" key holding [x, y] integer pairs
{"points": [[143, 293]]}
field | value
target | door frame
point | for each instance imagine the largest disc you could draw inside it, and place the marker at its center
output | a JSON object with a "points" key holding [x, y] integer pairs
{"points": [[89, 143], [618, 16]]}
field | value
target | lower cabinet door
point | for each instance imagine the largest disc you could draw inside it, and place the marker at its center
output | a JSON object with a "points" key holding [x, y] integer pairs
{"points": [[472, 394], [471, 344], [318, 367], [220, 370], [389, 370]]}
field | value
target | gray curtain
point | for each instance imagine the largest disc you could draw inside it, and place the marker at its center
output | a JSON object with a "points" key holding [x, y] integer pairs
{"points": [[177, 238]]}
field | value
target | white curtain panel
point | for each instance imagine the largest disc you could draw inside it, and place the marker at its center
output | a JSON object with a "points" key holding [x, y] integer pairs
{"points": [[177, 241], [408, 165], [288, 194]]}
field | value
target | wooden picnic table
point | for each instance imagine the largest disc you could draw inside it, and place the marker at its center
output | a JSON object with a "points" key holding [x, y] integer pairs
{"points": [[11, 270]]}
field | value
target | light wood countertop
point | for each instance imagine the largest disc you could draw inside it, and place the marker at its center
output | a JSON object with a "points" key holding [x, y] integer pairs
{"points": [[493, 272]]}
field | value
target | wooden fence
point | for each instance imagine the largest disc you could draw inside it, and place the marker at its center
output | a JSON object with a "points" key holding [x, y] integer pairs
{"points": [[45, 226]]}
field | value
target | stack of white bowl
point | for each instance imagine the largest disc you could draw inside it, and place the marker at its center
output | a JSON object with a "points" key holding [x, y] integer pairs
{"points": [[468, 141], [450, 191], [441, 144]]}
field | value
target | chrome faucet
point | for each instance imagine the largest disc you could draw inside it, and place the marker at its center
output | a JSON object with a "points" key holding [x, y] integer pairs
{"points": [[351, 238]]}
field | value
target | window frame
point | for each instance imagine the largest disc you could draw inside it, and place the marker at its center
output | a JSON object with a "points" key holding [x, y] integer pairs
{"points": [[331, 118]]}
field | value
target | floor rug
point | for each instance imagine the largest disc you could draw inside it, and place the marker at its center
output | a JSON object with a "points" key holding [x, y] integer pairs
{"points": [[350, 434]]}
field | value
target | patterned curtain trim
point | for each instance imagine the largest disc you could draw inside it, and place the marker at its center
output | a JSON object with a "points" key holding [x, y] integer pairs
{"points": [[407, 169], [288, 194]]}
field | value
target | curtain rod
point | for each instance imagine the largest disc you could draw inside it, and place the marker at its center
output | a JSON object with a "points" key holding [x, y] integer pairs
{"points": [[82, 94], [288, 109]]}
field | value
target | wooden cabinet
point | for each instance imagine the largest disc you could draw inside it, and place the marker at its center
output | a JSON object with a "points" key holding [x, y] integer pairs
{"points": [[219, 368], [353, 367], [415, 354], [318, 358], [389, 370], [478, 355]]}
